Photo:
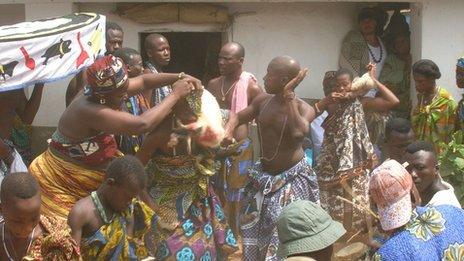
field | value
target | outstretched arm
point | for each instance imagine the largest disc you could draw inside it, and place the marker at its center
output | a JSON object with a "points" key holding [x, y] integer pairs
{"points": [[149, 81], [111, 121], [385, 101], [244, 116]]}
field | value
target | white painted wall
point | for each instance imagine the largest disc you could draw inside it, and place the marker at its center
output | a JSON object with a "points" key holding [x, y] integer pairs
{"points": [[306, 31], [442, 38], [310, 32], [11, 14]]}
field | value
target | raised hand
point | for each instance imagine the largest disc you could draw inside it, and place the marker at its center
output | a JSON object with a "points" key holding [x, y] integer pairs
{"points": [[293, 83], [372, 69]]}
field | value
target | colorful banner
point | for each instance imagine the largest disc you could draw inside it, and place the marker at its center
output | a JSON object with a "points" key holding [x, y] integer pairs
{"points": [[50, 49]]}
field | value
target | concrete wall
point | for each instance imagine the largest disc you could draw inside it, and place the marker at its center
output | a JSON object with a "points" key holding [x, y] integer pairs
{"points": [[306, 31], [442, 38], [11, 14]]}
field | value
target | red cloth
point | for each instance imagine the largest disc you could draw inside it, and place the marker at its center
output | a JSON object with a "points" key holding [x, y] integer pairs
{"points": [[96, 151]]}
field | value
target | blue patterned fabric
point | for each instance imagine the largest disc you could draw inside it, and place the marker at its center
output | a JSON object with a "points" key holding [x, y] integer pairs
{"points": [[433, 233], [260, 239], [159, 93]]}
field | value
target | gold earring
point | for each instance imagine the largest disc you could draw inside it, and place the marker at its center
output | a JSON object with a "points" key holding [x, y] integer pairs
{"points": [[102, 101]]}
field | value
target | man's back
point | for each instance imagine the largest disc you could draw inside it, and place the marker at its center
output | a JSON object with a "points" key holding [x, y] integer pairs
{"points": [[433, 233]]}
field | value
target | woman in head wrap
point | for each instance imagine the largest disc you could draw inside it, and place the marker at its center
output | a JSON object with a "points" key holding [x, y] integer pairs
{"points": [[83, 143], [433, 118]]}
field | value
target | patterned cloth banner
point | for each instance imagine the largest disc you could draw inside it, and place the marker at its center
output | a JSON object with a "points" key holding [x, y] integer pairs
{"points": [[50, 49]]}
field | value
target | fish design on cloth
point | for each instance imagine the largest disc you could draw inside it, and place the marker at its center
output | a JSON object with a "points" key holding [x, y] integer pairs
{"points": [[50, 49]]}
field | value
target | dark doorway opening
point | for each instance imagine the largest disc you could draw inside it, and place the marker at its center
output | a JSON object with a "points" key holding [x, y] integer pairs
{"points": [[194, 53]]}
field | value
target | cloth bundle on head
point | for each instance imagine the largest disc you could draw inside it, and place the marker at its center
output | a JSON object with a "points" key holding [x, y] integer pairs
{"points": [[460, 62], [105, 75], [390, 188]]}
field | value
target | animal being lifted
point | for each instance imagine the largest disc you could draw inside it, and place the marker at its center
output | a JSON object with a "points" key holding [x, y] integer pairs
{"points": [[208, 130], [58, 49], [7, 69]]}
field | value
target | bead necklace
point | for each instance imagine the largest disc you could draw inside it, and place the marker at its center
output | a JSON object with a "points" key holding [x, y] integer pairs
{"points": [[372, 54]]}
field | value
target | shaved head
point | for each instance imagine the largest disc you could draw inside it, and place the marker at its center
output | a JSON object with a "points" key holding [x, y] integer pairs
{"points": [[152, 40], [280, 71], [286, 66], [234, 48]]}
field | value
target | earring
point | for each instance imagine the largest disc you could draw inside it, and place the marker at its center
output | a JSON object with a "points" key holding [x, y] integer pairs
{"points": [[102, 101]]}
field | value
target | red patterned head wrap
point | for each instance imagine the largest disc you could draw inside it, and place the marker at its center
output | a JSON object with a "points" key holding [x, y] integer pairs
{"points": [[105, 75]]}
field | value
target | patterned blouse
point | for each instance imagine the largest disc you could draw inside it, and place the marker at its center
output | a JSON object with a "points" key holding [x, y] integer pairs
{"points": [[433, 233]]}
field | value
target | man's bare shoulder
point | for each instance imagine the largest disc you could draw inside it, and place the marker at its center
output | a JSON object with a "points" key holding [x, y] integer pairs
{"points": [[254, 89], [302, 103]]}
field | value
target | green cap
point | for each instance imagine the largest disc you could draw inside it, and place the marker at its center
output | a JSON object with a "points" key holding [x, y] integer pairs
{"points": [[304, 227]]}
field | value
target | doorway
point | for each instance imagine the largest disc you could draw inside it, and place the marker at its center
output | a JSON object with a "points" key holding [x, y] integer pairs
{"points": [[194, 53]]}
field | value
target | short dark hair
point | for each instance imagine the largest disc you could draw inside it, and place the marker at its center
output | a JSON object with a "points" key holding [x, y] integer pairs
{"points": [[399, 125], [343, 71], [418, 146], [426, 68], [368, 13], [126, 168], [113, 26], [20, 184], [126, 54]]}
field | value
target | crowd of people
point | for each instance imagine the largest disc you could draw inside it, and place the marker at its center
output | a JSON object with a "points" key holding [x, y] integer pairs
{"points": [[122, 178]]}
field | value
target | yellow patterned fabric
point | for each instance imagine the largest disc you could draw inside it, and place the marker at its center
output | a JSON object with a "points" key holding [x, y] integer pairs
{"points": [[435, 122], [112, 241], [62, 183]]}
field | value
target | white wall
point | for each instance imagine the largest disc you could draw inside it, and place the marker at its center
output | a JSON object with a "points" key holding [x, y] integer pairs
{"points": [[442, 38], [310, 32], [11, 14]]}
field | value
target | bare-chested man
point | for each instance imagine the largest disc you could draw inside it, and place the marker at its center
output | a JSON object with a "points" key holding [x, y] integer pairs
{"points": [[283, 174], [159, 55], [234, 90], [114, 40]]}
